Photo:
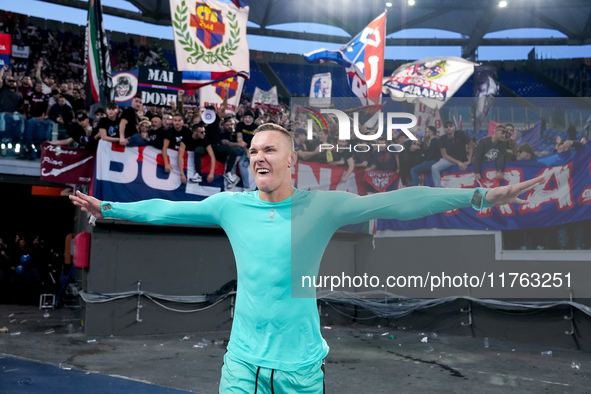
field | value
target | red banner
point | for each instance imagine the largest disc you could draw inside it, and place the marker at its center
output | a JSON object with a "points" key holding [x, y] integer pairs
{"points": [[380, 180], [62, 164], [5, 49]]}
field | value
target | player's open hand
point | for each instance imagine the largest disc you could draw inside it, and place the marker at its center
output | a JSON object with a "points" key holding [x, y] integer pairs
{"points": [[509, 194], [87, 204]]}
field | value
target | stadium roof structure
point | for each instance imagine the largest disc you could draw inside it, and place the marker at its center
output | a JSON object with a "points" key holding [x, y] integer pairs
{"points": [[473, 19]]}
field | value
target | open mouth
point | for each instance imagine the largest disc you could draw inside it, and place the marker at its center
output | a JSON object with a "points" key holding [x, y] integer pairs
{"points": [[263, 171]]}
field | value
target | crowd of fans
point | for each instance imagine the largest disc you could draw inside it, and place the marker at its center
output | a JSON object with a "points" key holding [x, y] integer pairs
{"points": [[37, 96], [28, 268]]}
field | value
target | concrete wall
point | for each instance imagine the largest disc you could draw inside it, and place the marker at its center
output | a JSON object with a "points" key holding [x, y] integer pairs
{"points": [[193, 261], [170, 261]]}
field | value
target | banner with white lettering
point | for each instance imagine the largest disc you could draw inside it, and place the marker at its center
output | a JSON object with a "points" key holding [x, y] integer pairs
{"points": [[432, 81], [565, 197], [159, 87], [132, 174], [62, 164], [214, 94], [320, 90]]}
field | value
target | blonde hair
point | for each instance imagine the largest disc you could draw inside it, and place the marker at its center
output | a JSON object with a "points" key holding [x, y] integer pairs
{"points": [[276, 127], [144, 121]]}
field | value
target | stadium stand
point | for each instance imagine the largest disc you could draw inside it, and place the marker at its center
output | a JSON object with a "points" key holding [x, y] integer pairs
{"points": [[257, 79]]}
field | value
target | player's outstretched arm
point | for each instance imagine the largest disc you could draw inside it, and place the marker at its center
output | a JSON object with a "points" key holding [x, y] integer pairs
{"points": [[156, 211], [509, 194], [417, 202], [87, 204]]}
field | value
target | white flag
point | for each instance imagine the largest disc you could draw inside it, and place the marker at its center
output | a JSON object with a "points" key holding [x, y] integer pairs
{"points": [[268, 97], [214, 94], [431, 81], [320, 90], [210, 35]]}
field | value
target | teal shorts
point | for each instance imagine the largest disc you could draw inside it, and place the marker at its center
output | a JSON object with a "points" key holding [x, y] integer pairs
{"points": [[244, 378]]}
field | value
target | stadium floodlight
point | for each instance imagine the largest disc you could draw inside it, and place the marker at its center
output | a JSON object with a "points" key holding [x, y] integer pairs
{"points": [[502, 4], [388, 4], [411, 2]]}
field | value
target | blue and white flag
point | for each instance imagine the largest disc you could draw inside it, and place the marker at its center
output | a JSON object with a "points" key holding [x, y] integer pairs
{"points": [[363, 58]]}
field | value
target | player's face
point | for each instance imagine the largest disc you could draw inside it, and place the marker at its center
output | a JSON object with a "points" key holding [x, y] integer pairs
{"points": [[271, 159]]}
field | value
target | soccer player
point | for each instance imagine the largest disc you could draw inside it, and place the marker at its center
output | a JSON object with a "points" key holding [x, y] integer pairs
{"points": [[278, 234]]}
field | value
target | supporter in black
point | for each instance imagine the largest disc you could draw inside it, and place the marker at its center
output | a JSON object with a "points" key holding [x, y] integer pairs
{"points": [[323, 152], [409, 158], [362, 156], [18, 271], [130, 119], [525, 152], [430, 154], [151, 110], [167, 120], [156, 132], [489, 149], [80, 133], [301, 144], [35, 270], [344, 157], [453, 152], [247, 127], [77, 102], [223, 153], [381, 158], [67, 93], [230, 138], [234, 141], [10, 98], [512, 145], [173, 137], [109, 125], [99, 113], [61, 112], [196, 142]]}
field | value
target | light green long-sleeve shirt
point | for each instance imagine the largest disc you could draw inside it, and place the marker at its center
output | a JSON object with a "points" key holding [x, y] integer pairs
{"points": [[276, 323]]}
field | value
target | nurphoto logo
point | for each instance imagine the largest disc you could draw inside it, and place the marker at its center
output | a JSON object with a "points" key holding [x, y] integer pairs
{"points": [[345, 131]]}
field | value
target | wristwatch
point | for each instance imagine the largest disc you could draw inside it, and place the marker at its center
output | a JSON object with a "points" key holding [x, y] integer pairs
{"points": [[476, 199], [479, 200]]}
